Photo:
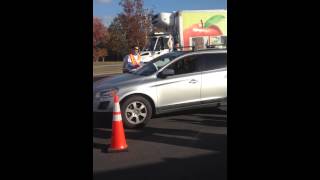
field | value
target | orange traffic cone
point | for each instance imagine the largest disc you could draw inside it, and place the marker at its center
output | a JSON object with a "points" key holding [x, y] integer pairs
{"points": [[118, 139]]}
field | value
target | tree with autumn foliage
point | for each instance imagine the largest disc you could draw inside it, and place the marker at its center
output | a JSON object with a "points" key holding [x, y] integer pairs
{"points": [[131, 27], [100, 39]]}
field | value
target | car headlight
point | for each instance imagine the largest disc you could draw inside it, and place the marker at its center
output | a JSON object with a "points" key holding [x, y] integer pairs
{"points": [[106, 93]]}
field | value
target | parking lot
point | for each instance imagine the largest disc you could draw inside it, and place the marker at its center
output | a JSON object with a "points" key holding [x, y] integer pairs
{"points": [[182, 145]]}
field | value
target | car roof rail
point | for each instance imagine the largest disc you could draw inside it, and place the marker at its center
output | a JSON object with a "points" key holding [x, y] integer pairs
{"points": [[194, 48]]}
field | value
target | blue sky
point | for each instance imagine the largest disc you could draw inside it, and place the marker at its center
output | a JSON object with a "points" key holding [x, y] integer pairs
{"points": [[108, 9]]}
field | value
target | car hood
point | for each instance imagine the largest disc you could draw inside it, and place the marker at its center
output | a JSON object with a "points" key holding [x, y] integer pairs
{"points": [[116, 81]]}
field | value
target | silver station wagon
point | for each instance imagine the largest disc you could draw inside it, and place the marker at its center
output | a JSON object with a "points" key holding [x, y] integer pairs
{"points": [[172, 82]]}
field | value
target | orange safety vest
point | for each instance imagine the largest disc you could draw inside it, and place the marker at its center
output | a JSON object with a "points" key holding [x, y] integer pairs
{"points": [[134, 62]]}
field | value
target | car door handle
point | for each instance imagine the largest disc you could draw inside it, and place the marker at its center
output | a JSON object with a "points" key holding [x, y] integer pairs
{"points": [[193, 81]]}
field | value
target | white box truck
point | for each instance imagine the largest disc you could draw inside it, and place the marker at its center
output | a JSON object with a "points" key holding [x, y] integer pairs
{"points": [[189, 28]]}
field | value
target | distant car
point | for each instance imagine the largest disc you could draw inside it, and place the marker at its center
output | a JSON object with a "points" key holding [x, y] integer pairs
{"points": [[172, 82]]}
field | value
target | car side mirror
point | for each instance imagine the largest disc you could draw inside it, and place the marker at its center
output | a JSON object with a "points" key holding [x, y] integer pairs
{"points": [[165, 73]]}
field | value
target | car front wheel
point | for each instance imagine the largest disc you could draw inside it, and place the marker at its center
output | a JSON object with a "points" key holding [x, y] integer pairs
{"points": [[136, 112]]}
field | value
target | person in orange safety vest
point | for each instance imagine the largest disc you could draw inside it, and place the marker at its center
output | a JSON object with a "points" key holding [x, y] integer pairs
{"points": [[132, 60]]}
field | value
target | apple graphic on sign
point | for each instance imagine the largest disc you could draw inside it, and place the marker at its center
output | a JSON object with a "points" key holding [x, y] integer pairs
{"points": [[208, 29]]}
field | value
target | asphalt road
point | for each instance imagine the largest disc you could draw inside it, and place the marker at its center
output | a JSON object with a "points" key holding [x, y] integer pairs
{"points": [[182, 145]]}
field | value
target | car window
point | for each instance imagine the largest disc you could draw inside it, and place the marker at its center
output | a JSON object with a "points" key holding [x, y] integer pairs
{"points": [[186, 65], [165, 43], [162, 62], [213, 61], [152, 42], [156, 64], [159, 45]]}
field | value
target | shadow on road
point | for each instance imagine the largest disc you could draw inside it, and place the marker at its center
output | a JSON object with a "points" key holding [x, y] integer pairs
{"points": [[102, 124], [184, 138], [104, 120], [212, 166], [208, 121]]}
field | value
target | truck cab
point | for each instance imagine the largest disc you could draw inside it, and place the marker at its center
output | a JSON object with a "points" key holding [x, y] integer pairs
{"points": [[158, 45]]}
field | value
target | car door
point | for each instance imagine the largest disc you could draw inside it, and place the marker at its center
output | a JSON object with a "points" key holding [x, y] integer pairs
{"points": [[214, 77], [183, 88]]}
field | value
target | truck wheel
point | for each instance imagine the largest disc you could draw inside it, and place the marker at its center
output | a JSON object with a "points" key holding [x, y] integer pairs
{"points": [[136, 112]]}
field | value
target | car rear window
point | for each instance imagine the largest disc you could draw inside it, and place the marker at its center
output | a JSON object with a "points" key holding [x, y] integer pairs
{"points": [[213, 61]]}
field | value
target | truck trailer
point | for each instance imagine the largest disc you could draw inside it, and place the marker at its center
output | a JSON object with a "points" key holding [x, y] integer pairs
{"points": [[189, 29]]}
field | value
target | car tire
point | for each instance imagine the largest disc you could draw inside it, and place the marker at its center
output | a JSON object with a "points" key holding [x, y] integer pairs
{"points": [[136, 112]]}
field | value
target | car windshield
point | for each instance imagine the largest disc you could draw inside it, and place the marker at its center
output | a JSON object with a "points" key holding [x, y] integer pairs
{"points": [[156, 64], [152, 42]]}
